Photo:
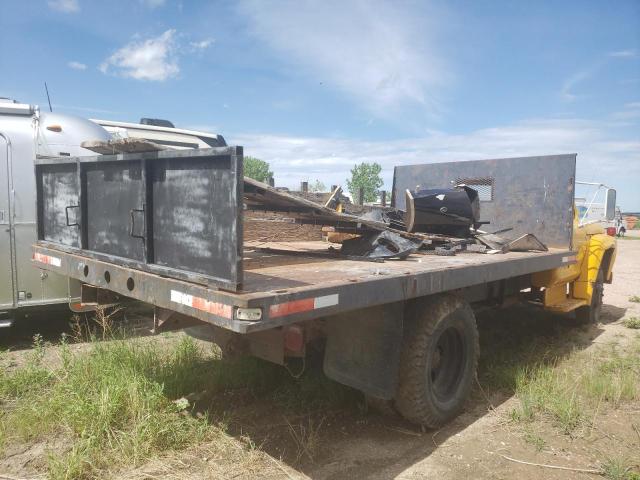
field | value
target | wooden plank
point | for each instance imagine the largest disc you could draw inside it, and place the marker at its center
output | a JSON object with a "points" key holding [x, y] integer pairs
{"points": [[122, 145]]}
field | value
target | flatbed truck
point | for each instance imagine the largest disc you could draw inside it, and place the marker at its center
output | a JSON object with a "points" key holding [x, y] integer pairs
{"points": [[165, 228]]}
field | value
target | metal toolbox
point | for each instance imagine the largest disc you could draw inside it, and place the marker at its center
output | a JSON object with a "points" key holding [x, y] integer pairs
{"points": [[177, 213]]}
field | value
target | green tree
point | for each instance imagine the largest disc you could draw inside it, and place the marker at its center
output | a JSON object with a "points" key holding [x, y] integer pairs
{"points": [[366, 176], [317, 186], [257, 169]]}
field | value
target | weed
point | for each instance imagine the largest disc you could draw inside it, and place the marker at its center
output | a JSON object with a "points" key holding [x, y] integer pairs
{"points": [[38, 348], [546, 389], [306, 438], [537, 441], [634, 299], [104, 320], [100, 325], [632, 322], [126, 400], [31, 377], [619, 469], [115, 401], [569, 398]]}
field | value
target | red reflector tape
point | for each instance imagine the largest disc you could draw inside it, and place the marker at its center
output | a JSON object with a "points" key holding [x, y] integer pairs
{"points": [[288, 308], [571, 258], [219, 309], [303, 305], [46, 259]]}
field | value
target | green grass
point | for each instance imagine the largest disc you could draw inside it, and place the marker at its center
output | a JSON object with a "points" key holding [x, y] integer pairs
{"points": [[123, 401], [619, 469], [114, 402], [570, 391], [632, 322], [536, 440], [634, 299], [541, 362]]}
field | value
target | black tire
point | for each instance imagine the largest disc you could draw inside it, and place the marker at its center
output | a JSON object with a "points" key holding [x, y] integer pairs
{"points": [[439, 360], [590, 314]]}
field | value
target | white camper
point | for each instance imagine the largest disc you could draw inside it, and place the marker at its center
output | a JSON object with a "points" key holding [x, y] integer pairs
{"points": [[26, 132]]}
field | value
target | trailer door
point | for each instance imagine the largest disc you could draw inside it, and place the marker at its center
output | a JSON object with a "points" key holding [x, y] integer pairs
{"points": [[7, 298]]}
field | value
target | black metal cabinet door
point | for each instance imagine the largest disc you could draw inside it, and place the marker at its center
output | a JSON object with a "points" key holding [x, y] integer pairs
{"points": [[115, 196], [59, 204], [195, 215]]}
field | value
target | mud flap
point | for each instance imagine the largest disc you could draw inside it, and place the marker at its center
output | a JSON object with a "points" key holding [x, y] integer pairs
{"points": [[363, 349]]}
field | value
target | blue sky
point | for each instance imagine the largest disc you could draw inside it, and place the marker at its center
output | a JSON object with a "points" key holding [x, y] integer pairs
{"points": [[314, 87]]}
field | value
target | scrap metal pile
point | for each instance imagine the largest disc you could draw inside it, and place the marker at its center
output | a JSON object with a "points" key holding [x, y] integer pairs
{"points": [[436, 221]]}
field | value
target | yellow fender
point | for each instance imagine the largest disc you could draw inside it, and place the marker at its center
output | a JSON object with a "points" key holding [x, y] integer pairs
{"points": [[569, 287], [596, 249]]}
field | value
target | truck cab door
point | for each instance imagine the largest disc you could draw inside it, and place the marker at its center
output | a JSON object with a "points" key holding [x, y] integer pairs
{"points": [[7, 284]]}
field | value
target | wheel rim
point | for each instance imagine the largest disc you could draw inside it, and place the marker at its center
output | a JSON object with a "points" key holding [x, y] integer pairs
{"points": [[446, 364]]}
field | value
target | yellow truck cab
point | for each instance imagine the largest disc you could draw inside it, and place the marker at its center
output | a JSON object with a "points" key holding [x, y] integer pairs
{"points": [[579, 287]]}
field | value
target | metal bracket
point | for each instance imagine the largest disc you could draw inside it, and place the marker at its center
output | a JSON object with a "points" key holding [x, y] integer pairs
{"points": [[98, 297], [132, 212], [66, 214], [165, 320]]}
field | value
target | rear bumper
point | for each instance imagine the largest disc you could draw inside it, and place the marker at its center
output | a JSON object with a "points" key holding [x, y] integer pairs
{"points": [[190, 299]]}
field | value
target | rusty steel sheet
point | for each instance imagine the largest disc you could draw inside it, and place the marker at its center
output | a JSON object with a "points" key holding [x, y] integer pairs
{"points": [[530, 195], [176, 213]]}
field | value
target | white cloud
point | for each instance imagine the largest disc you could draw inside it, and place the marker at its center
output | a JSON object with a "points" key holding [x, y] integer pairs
{"points": [[154, 59], [601, 155], [570, 83], [631, 111], [202, 44], [152, 3], [374, 51], [624, 54], [76, 65], [66, 6]]}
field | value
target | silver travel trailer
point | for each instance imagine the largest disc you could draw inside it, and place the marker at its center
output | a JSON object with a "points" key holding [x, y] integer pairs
{"points": [[162, 132], [27, 134]]}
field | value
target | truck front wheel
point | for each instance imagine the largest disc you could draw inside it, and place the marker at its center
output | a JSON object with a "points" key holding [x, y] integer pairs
{"points": [[439, 360], [590, 314]]}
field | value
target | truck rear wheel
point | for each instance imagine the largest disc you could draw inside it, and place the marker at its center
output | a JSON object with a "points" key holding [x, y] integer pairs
{"points": [[590, 314], [438, 362]]}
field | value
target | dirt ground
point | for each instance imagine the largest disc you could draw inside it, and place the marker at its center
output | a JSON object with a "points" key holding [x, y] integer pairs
{"points": [[351, 442]]}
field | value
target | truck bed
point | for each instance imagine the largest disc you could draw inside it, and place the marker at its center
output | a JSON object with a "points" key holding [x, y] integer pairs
{"points": [[295, 287], [166, 228]]}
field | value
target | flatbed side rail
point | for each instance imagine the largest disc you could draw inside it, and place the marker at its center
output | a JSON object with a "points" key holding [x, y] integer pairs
{"points": [[283, 307]]}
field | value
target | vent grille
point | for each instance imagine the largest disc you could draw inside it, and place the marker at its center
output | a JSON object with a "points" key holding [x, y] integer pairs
{"points": [[483, 185]]}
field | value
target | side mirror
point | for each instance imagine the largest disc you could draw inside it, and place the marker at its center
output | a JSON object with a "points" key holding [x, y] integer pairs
{"points": [[610, 205]]}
